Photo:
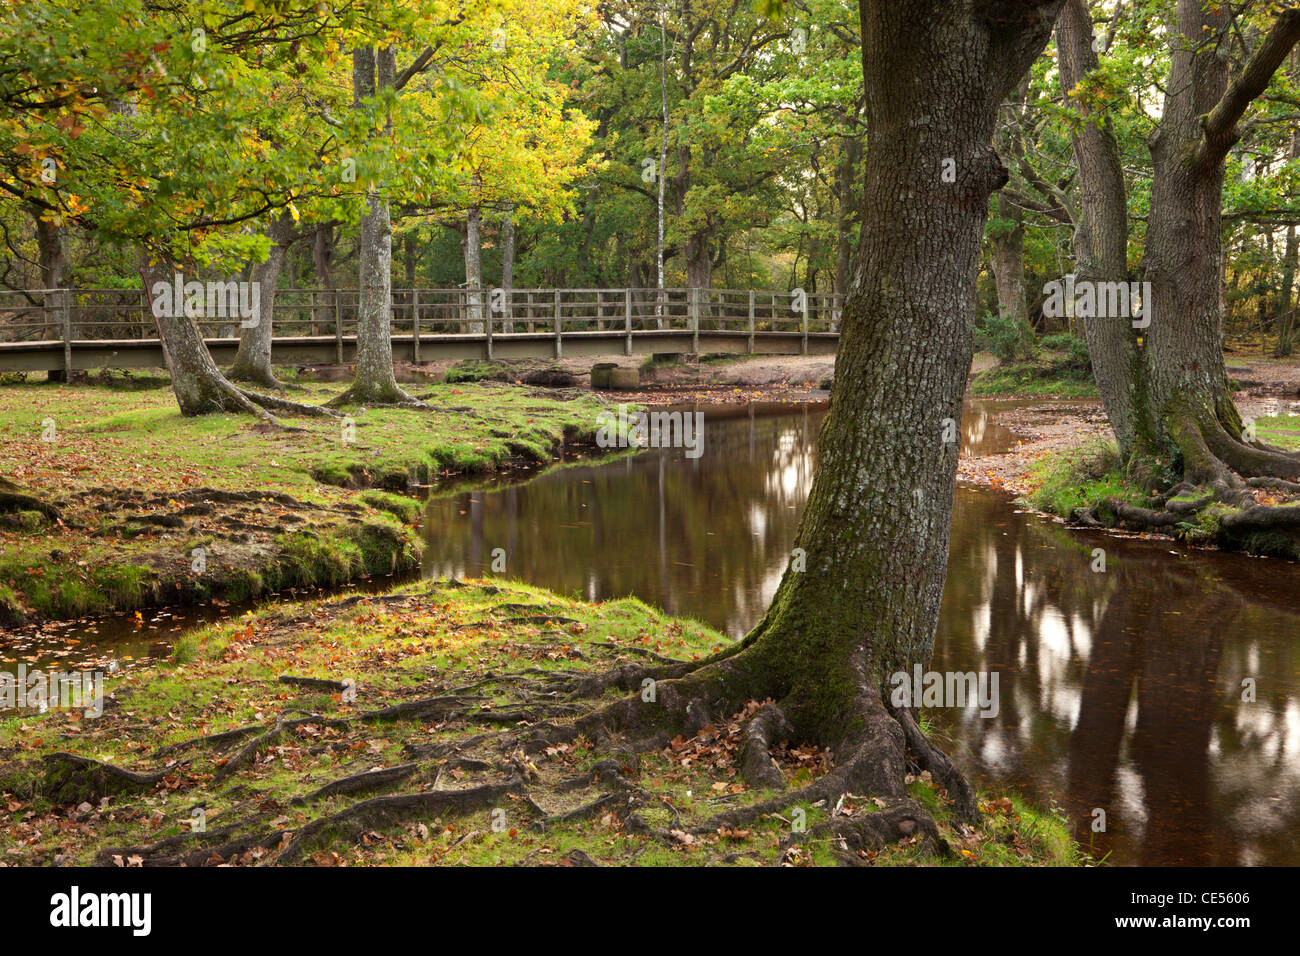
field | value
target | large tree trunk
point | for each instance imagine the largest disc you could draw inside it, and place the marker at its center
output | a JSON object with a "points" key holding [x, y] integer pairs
{"points": [[876, 526], [1101, 236], [253, 359], [199, 386], [1167, 397], [375, 383]]}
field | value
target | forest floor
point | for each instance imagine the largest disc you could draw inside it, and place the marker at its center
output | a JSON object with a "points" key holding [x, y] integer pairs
{"points": [[158, 509], [1270, 395], [393, 729]]}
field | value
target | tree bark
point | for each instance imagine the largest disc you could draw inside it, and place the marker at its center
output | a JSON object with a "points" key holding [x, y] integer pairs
{"points": [[1193, 417], [1008, 261], [253, 359], [508, 260], [1101, 235]]}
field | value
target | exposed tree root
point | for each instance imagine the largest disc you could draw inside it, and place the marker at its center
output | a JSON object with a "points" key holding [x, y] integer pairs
{"points": [[385, 811], [14, 501], [872, 760], [360, 783], [1219, 468], [394, 397], [69, 778]]}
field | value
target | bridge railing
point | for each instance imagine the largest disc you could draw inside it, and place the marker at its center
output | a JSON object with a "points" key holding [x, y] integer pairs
{"points": [[81, 315]]}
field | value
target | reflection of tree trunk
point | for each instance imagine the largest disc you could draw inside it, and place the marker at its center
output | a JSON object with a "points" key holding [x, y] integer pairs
{"points": [[1177, 701], [1098, 733]]}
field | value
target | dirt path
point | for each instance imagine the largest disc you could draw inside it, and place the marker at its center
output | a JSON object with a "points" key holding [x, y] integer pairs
{"points": [[1271, 388]]}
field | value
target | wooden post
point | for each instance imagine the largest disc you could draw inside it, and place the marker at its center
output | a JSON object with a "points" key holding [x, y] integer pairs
{"points": [[338, 326], [695, 321], [805, 325], [627, 320], [487, 321], [559, 346], [751, 321], [66, 299], [415, 325]]}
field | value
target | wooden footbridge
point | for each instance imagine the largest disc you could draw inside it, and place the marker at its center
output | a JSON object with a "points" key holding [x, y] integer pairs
{"points": [[87, 329]]}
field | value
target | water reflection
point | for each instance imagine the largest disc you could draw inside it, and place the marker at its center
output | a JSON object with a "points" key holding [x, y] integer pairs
{"points": [[1120, 690]]}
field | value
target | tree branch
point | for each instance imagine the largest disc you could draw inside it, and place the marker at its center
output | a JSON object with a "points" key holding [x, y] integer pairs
{"points": [[1220, 124]]}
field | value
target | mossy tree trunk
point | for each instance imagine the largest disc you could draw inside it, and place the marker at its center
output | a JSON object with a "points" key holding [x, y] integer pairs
{"points": [[199, 386], [1184, 379]]}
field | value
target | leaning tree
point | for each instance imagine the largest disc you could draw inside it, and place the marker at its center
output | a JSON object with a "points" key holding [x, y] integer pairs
{"points": [[876, 526]]}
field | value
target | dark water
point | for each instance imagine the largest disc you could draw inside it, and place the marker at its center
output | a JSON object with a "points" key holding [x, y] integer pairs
{"points": [[1118, 690]]}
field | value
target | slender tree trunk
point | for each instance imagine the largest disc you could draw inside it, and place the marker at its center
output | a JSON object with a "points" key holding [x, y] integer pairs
{"points": [[253, 359], [375, 382], [49, 246], [1101, 235], [322, 260], [1286, 323], [508, 260], [473, 248], [1008, 261], [847, 209], [1286, 296]]}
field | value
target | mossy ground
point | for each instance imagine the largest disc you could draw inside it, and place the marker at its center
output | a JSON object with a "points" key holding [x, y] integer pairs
{"points": [[426, 639], [132, 479], [1052, 374]]}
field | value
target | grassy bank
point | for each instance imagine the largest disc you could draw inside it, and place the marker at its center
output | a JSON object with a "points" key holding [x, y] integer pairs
{"points": [[161, 509], [1087, 484], [422, 767], [1051, 375]]}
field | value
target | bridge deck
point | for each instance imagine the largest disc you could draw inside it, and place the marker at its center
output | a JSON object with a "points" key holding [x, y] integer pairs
{"points": [[89, 354]]}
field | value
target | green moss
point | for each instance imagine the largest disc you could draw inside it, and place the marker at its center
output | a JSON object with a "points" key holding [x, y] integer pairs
{"points": [[1079, 478], [1059, 376]]}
